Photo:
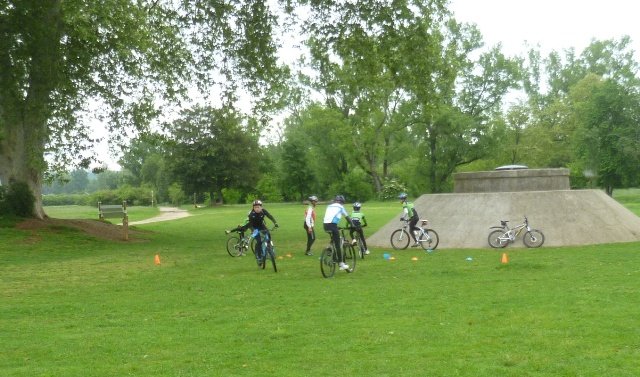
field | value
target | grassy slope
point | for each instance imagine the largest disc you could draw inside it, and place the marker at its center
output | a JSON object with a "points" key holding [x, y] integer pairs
{"points": [[73, 306]]}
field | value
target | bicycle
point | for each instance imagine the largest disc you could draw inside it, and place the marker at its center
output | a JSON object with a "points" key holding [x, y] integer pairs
{"points": [[239, 243], [426, 237], [357, 241], [268, 250], [503, 235], [329, 257]]}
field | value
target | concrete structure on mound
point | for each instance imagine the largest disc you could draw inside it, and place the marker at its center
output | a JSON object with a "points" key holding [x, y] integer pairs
{"points": [[566, 217]]}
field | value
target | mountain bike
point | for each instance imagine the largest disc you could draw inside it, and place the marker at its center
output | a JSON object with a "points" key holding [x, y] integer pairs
{"points": [[426, 237], [329, 258], [503, 235], [267, 251], [357, 243], [238, 244]]}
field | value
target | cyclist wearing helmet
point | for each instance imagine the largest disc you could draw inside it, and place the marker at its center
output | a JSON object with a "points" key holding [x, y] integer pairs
{"points": [[410, 215], [332, 217], [255, 221], [359, 221], [310, 223]]}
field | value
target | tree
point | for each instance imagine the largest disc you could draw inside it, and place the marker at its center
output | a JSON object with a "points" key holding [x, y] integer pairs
{"points": [[607, 138], [210, 151], [58, 58]]}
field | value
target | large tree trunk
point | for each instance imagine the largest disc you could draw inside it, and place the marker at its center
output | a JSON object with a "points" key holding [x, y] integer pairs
{"points": [[21, 160]]}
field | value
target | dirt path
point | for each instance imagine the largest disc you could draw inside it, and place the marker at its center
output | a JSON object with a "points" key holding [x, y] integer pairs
{"points": [[166, 214]]}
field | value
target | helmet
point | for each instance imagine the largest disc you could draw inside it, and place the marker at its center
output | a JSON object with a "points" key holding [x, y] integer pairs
{"points": [[313, 198], [339, 199], [257, 202], [402, 196], [357, 205]]}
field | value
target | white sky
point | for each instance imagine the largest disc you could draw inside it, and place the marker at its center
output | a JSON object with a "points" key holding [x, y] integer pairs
{"points": [[553, 24]]}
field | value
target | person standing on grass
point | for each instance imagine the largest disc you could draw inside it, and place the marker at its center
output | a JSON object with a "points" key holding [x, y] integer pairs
{"points": [[332, 217], [359, 221], [310, 223], [411, 215]]}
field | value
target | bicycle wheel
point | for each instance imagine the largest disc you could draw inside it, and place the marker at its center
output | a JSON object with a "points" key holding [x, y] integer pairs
{"points": [[233, 246], [400, 239], [430, 241], [350, 258], [327, 264], [533, 238], [497, 239], [253, 245], [271, 254], [262, 257], [361, 248]]}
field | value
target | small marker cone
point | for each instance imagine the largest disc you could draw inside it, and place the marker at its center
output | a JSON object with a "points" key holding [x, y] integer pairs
{"points": [[156, 260], [505, 258], [414, 258]]}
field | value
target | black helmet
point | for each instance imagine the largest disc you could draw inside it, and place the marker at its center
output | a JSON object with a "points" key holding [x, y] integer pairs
{"points": [[257, 202], [402, 196], [357, 205], [313, 198], [339, 199]]}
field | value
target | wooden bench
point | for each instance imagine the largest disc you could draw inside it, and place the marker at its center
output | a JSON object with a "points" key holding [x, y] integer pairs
{"points": [[115, 211]]}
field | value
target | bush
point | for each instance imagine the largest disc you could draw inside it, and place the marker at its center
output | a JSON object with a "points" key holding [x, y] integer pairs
{"points": [[391, 189], [232, 196], [17, 199], [176, 195], [65, 199], [357, 186]]}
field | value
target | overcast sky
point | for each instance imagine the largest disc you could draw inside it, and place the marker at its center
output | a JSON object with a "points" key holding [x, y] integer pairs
{"points": [[553, 24]]}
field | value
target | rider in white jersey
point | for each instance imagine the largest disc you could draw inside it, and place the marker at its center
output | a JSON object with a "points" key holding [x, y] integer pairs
{"points": [[332, 217]]}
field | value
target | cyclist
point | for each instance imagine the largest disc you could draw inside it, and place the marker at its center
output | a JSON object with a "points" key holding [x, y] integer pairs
{"points": [[310, 222], [411, 215], [332, 217], [255, 221], [359, 221]]}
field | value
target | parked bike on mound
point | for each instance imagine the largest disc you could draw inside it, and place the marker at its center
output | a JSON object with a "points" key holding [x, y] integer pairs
{"points": [[238, 244], [426, 237], [329, 258], [267, 251], [503, 235]]}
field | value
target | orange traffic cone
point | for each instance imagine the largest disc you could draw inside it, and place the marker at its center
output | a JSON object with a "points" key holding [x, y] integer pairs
{"points": [[156, 260], [505, 258]]}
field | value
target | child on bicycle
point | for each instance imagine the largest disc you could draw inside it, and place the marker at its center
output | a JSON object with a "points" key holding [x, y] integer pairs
{"points": [[332, 217], [255, 221], [359, 221], [411, 215]]}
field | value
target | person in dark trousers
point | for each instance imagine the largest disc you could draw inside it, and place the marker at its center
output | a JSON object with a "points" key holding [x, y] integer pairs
{"points": [[310, 223], [332, 217], [359, 221], [411, 215]]}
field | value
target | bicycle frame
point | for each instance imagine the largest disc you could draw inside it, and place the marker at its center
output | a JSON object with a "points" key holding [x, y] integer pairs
{"points": [[426, 237], [267, 249], [503, 235]]}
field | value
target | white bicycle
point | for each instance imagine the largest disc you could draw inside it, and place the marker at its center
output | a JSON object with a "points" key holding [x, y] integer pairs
{"points": [[503, 235]]}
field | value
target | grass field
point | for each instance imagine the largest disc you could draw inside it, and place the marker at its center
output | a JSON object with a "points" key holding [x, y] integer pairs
{"points": [[72, 305]]}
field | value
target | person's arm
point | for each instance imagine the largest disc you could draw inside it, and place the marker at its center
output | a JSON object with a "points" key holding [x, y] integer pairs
{"points": [[308, 219], [364, 220], [266, 213]]}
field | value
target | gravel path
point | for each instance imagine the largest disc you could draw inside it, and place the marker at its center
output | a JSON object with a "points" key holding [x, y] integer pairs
{"points": [[166, 214]]}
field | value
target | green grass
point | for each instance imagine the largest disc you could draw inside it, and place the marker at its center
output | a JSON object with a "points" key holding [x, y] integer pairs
{"points": [[71, 305], [135, 213]]}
